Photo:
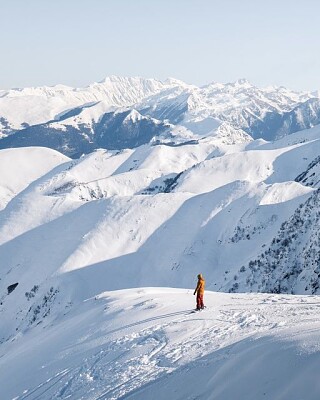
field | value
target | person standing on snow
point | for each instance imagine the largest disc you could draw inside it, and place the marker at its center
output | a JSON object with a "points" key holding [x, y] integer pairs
{"points": [[200, 292]]}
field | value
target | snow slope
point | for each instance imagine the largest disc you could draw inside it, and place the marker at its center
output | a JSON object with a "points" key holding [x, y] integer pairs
{"points": [[144, 343], [20, 167]]}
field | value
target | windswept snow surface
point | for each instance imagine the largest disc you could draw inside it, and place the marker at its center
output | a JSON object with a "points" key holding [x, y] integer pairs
{"points": [[146, 344]]}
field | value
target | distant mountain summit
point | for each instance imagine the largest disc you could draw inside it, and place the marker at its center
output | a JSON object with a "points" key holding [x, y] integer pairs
{"points": [[76, 121]]}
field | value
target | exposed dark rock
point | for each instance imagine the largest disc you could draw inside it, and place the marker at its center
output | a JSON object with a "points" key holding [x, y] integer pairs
{"points": [[11, 288]]}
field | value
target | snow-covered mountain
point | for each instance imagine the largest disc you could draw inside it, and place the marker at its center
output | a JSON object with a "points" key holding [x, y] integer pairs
{"points": [[207, 202], [77, 121], [83, 133], [36, 105], [89, 248]]}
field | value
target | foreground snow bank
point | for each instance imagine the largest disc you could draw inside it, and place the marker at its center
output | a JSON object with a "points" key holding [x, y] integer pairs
{"points": [[136, 343], [254, 368]]}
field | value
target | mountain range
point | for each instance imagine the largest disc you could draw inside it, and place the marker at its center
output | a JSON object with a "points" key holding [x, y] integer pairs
{"points": [[114, 197], [121, 112]]}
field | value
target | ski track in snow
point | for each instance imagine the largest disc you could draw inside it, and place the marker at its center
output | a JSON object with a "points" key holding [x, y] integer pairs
{"points": [[148, 340]]}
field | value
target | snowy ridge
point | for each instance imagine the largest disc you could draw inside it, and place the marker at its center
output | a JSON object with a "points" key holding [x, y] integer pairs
{"points": [[45, 103], [20, 172]]}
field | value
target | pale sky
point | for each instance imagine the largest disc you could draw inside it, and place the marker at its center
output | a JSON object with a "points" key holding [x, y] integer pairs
{"points": [[76, 42]]}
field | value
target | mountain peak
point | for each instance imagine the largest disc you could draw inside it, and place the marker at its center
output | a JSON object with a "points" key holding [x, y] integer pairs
{"points": [[117, 79], [133, 116], [176, 82], [242, 82]]}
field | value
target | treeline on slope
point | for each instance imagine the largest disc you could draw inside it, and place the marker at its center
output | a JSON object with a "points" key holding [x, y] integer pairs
{"points": [[291, 264], [113, 132], [311, 177]]}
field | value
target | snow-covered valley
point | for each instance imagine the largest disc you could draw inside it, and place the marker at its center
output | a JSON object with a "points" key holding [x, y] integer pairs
{"points": [[99, 254]]}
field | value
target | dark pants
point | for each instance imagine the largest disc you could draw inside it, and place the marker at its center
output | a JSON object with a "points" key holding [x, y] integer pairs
{"points": [[200, 301]]}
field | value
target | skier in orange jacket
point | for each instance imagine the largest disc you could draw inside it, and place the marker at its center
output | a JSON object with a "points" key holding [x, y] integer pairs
{"points": [[200, 292]]}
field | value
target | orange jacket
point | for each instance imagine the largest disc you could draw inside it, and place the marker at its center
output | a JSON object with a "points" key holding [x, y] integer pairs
{"points": [[200, 286]]}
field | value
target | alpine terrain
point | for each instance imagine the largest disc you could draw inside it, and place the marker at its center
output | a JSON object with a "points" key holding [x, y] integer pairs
{"points": [[114, 197]]}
